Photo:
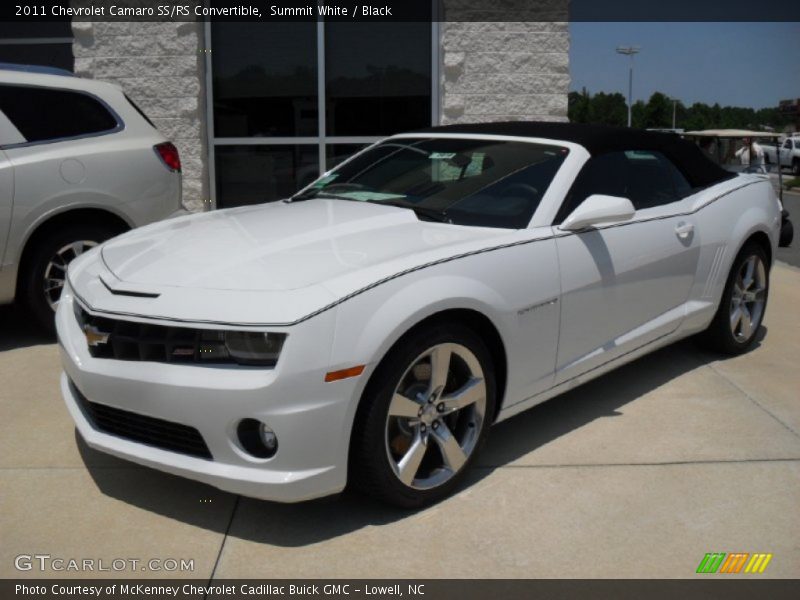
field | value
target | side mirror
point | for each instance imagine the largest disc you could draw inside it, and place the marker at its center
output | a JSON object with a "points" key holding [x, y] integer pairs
{"points": [[597, 209]]}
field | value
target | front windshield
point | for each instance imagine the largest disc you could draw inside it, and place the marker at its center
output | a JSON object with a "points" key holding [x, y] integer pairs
{"points": [[486, 183]]}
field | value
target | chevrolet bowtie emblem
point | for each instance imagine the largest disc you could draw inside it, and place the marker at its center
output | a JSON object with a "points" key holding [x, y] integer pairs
{"points": [[95, 337]]}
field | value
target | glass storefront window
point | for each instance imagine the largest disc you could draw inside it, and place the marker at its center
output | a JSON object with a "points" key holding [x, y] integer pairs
{"points": [[338, 153], [292, 99], [47, 55], [265, 79], [45, 43], [255, 174], [378, 77]]}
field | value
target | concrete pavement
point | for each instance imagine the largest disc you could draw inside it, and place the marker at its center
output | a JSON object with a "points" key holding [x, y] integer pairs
{"points": [[637, 474]]}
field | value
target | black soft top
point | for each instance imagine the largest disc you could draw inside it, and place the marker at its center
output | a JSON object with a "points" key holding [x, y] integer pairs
{"points": [[602, 139]]}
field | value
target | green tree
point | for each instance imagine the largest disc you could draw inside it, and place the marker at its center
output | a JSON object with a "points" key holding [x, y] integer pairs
{"points": [[579, 108], [609, 109], [698, 117], [658, 111], [638, 115]]}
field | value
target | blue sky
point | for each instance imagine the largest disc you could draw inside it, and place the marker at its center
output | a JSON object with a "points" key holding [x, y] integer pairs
{"points": [[737, 64]]}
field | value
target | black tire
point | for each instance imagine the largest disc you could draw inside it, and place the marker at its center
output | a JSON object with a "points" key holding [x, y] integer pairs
{"points": [[370, 469], [796, 167], [47, 246], [720, 336]]}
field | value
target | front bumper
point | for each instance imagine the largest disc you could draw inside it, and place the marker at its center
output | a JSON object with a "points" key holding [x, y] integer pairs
{"points": [[311, 418]]}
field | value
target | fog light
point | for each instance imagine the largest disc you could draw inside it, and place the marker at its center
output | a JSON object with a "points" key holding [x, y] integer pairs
{"points": [[268, 438], [257, 438]]}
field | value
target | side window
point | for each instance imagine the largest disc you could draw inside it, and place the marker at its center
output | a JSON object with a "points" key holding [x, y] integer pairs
{"points": [[604, 174], [646, 178], [43, 114], [653, 180]]}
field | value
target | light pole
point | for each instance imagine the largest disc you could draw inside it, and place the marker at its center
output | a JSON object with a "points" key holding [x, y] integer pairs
{"points": [[674, 108], [629, 51]]}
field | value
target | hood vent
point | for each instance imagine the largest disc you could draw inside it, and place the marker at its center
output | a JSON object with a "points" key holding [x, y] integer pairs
{"points": [[132, 293]]}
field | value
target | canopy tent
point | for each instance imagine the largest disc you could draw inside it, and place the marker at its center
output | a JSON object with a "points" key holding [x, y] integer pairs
{"points": [[731, 133]]}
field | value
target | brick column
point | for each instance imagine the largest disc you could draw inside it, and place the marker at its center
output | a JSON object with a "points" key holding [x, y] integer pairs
{"points": [[160, 66], [497, 71]]}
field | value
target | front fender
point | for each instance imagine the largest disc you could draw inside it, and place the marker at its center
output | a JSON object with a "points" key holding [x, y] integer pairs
{"points": [[516, 288], [371, 324]]}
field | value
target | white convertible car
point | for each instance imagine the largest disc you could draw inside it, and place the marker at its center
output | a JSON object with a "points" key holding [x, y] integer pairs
{"points": [[370, 329]]}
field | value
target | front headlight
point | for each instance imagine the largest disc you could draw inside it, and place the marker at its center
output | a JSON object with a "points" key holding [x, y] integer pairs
{"points": [[241, 347]]}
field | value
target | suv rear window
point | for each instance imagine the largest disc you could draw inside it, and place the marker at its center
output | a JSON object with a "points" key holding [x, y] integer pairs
{"points": [[44, 114]]}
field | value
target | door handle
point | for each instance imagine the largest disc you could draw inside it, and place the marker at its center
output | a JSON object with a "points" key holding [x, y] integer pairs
{"points": [[684, 230]]}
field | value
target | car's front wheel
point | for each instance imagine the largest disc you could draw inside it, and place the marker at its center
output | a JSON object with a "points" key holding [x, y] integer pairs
{"points": [[744, 301], [44, 273], [423, 417]]}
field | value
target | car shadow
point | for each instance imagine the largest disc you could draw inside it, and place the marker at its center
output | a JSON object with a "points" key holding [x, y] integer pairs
{"points": [[18, 330], [295, 525]]}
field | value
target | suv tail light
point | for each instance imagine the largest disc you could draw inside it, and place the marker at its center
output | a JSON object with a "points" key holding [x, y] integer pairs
{"points": [[168, 154]]}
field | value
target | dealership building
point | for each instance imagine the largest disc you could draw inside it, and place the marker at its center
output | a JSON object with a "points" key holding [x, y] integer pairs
{"points": [[259, 109]]}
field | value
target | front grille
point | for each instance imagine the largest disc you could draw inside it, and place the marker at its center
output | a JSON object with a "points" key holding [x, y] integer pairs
{"points": [[128, 340], [140, 428]]}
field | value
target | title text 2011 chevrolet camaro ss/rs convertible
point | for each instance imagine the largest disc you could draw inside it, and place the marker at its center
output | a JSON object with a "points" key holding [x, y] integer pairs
{"points": [[371, 328]]}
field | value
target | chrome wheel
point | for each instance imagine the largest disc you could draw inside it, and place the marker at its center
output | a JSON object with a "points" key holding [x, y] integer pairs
{"points": [[435, 416], [55, 272], [748, 298]]}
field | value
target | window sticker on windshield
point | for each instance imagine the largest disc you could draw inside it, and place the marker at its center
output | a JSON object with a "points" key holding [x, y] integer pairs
{"points": [[325, 180], [442, 155], [640, 155]]}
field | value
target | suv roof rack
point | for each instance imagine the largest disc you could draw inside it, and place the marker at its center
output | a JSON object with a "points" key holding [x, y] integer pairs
{"points": [[36, 69]]}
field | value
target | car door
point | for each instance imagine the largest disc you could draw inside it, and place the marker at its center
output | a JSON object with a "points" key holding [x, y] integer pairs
{"points": [[9, 135], [624, 284]]}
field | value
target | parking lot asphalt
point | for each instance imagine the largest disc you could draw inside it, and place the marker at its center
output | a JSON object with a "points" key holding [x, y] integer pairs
{"points": [[638, 474]]}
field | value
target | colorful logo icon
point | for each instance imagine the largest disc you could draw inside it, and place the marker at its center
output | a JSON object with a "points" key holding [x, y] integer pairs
{"points": [[734, 562]]}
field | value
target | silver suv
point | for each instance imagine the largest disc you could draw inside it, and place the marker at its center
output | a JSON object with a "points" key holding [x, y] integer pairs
{"points": [[79, 163]]}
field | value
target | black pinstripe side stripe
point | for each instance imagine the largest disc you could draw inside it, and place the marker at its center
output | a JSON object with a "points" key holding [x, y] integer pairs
{"points": [[399, 274]]}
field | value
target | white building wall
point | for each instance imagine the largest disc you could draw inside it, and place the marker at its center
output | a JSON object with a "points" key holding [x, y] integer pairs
{"points": [[160, 67], [498, 71]]}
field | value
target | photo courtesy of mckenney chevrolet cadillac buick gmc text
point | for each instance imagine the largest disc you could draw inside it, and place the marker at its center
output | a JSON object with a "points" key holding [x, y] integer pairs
{"points": [[370, 329]]}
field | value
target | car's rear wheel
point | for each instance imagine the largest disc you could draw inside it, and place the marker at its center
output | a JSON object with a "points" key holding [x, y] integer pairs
{"points": [[796, 166], [424, 417], [44, 274], [744, 301]]}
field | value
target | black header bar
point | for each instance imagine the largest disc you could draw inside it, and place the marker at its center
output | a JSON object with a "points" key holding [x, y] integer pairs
{"points": [[727, 587], [402, 10]]}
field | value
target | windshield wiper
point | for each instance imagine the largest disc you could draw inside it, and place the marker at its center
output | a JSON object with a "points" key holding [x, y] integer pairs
{"points": [[434, 214], [318, 194]]}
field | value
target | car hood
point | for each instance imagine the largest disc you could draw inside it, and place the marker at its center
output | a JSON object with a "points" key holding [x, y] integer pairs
{"points": [[272, 264], [276, 246]]}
